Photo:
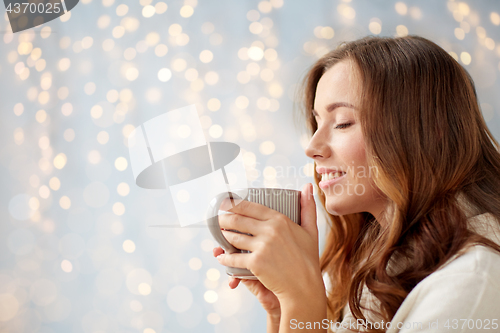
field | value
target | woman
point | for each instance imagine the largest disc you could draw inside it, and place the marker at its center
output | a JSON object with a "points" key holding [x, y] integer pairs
{"points": [[414, 208]]}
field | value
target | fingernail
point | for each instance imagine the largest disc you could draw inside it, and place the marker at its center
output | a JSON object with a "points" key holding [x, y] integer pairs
{"points": [[226, 205], [220, 256]]}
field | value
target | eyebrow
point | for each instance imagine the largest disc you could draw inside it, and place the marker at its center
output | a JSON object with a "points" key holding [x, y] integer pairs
{"points": [[333, 106]]}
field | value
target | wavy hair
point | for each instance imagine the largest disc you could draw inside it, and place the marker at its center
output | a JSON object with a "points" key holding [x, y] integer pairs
{"points": [[425, 135]]}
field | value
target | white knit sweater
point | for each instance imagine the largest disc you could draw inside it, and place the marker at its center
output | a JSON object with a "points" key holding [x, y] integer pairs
{"points": [[463, 295]]}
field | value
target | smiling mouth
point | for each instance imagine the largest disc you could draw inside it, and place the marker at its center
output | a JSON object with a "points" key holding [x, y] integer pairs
{"points": [[333, 175]]}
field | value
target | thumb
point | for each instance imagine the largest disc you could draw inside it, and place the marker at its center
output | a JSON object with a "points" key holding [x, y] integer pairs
{"points": [[308, 219]]}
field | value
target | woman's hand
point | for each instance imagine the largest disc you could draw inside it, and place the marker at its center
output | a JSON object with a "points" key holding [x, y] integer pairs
{"points": [[267, 299], [284, 256]]}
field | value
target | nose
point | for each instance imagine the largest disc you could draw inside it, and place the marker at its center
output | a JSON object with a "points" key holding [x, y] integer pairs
{"points": [[318, 145]]}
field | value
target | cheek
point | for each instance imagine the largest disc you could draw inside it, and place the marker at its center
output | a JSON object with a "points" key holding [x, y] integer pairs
{"points": [[353, 155]]}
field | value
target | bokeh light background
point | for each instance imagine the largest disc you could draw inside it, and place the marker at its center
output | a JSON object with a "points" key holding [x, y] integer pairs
{"points": [[82, 248]]}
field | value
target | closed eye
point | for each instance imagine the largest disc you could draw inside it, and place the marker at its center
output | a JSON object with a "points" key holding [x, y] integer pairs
{"points": [[342, 126]]}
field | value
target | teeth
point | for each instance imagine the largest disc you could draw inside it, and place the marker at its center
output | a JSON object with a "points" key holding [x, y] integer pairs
{"points": [[333, 175]]}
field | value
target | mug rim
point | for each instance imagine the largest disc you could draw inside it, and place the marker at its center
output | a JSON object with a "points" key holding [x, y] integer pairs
{"points": [[272, 190]]}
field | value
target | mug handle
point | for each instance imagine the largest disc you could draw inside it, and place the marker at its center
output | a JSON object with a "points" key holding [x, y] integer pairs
{"points": [[213, 221]]}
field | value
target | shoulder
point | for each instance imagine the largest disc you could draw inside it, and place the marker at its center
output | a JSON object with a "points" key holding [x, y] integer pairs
{"points": [[478, 263], [465, 287], [474, 263], [476, 260], [468, 287]]}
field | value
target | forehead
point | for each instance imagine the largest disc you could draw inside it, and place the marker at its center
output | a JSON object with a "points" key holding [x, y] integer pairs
{"points": [[337, 84]]}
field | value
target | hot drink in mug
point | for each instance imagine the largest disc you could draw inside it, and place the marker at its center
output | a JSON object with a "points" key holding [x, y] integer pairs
{"points": [[284, 201]]}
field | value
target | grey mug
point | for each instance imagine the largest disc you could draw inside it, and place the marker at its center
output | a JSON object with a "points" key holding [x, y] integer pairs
{"points": [[285, 201]]}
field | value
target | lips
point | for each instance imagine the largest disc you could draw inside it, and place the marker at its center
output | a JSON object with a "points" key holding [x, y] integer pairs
{"points": [[329, 182], [333, 175], [323, 170], [329, 176]]}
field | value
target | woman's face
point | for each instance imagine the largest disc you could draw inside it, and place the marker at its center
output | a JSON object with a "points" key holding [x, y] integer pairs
{"points": [[338, 146]]}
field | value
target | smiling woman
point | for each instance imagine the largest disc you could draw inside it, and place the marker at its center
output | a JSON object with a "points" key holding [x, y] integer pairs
{"points": [[410, 178], [403, 248], [337, 145]]}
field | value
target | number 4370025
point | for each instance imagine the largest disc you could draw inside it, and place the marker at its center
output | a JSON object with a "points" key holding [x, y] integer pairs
{"points": [[478, 324], [40, 8]]}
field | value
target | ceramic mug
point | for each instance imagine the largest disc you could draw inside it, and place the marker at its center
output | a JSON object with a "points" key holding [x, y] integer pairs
{"points": [[285, 201]]}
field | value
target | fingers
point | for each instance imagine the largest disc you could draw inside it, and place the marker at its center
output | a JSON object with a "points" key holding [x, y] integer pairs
{"points": [[238, 260], [233, 282], [254, 286], [217, 250], [240, 241], [239, 222], [308, 219], [247, 208]]}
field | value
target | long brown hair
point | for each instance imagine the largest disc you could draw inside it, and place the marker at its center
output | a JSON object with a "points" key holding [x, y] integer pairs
{"points": [[426, 137]]}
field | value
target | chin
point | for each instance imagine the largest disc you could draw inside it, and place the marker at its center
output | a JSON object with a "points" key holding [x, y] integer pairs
{"points": [[337, 208]]}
